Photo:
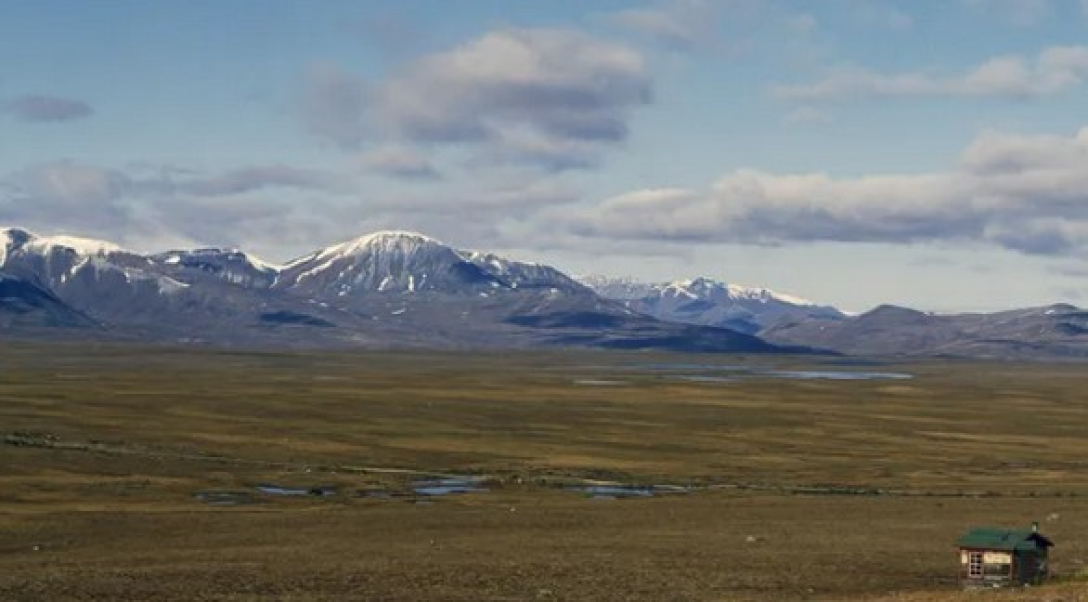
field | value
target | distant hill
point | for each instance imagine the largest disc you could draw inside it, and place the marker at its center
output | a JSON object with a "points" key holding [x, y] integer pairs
{"points": [[1054, 331]]}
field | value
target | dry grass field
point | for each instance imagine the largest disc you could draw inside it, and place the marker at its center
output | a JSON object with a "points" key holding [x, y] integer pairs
{"points": [[798, 488]]}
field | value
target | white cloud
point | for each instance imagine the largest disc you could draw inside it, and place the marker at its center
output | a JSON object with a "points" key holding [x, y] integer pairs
{"points": [[562, 83], [525, 93], [1053, 70], [1029, 194]]}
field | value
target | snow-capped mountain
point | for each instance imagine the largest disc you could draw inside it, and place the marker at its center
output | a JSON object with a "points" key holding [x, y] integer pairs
{"points": [[69, 263], [620, 289], [401, 289], [231, 265], [709, 302], [123, 290], [408, 262], [387, 289], [523, 275]]}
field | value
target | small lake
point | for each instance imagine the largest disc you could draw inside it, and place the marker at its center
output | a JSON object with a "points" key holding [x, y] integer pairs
{"points": [[836, 375], [448, 486], [726, 373], [616, 492], [270, 489]]}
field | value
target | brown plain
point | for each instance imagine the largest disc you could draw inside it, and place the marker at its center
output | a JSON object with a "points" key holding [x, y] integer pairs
{"points": [[802, 489]]}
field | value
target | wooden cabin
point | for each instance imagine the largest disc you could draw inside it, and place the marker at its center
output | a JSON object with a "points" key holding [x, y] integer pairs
{"points": [[994, 557]]}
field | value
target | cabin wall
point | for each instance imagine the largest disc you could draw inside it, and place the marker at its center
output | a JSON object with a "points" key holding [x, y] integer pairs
{"points": [[998, 567]]}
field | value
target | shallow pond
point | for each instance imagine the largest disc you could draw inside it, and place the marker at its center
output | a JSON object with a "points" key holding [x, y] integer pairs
{"points": [[836, 375], [295, 491], [613, 492], [725, 373], [451, 486]]}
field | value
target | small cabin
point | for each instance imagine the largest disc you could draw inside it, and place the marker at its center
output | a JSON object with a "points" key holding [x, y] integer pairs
{"points": [[994, 557]]}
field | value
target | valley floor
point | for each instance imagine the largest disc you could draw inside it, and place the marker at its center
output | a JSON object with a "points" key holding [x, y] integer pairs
{"points": [[133, 473]]}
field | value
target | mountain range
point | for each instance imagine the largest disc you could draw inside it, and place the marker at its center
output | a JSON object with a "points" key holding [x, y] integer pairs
{"points": [[382, 290], [708, 302], [406, 290]]}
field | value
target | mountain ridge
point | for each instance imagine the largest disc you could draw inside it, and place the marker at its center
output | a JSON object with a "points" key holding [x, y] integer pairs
{"points": [[384, 289], [393, 289], [709, 302]]}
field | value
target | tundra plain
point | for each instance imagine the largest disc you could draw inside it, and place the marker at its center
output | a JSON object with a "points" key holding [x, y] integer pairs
{"points": [[132, 473]]}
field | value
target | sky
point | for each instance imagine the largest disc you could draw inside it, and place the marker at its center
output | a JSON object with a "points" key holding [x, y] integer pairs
{"points": [[928, 153]]}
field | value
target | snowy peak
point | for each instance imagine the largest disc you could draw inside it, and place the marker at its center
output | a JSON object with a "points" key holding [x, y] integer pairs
{"points": [[386, 242], [390, 241], [383, 262], [181, 257], [709, 302], [56, 258], [517, 274], [82, 247], [231, 265], [409, 262], [619, 289], [28, 243], [708, 288]]}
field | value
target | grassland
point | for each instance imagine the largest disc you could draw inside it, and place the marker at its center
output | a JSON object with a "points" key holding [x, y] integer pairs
{"points": [[820, 489]]}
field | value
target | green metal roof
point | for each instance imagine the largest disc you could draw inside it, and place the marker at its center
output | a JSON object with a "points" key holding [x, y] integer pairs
{"points": [[990, 538]]}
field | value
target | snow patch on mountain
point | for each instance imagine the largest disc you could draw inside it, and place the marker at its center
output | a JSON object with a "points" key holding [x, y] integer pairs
{"points": [[399, 262], [86, 247], [521, 274], [700, 288], [259, 263], [619, 289], [230, 265], [169, 286], [382, 242], [248, 259], [708, 302], [386, 261]]}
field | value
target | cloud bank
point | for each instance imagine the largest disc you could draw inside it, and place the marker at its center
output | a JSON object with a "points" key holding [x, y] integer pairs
{"points": [[230, 206], [1025, 193], [527, 96], [1054, 70]]}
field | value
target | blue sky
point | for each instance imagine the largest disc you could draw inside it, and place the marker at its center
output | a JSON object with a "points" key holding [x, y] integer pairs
{"points": [[927, 153]]}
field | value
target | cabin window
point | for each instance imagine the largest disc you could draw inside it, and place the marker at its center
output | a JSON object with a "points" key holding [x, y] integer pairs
{"points": [[997, 570], [974, 564]]}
